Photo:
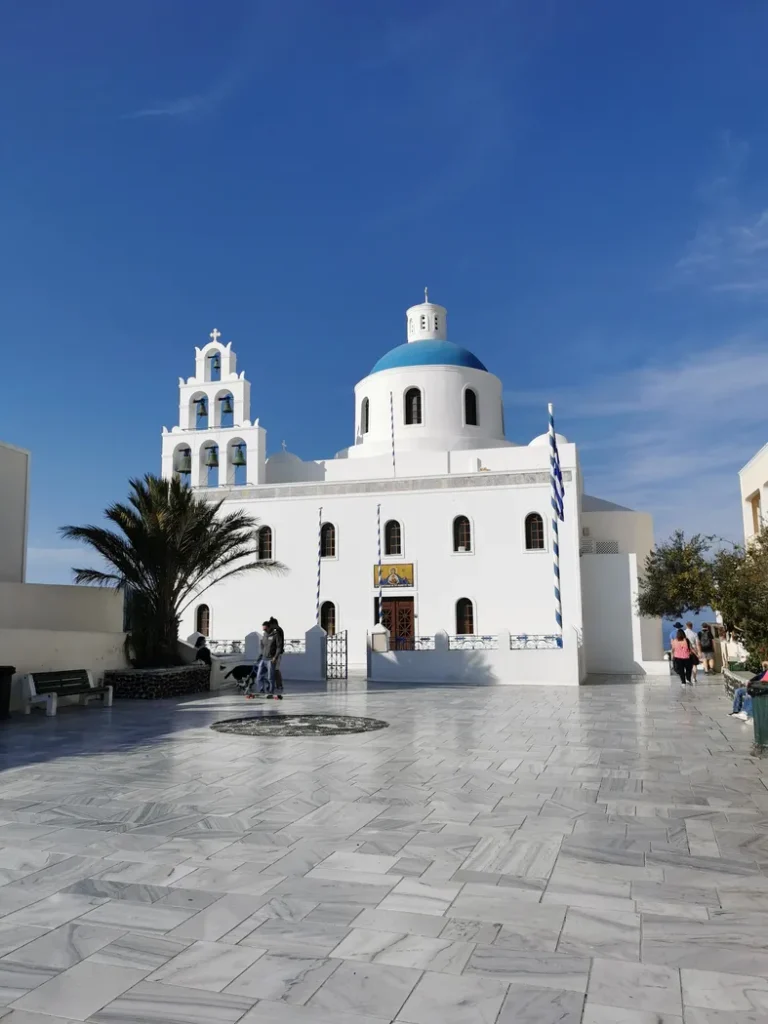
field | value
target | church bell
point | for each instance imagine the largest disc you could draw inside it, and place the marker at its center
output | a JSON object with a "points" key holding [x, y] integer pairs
{"points": [[226, 405], [184, 461], [216, 363], [238, 456], [202, 407], [211, 458]]}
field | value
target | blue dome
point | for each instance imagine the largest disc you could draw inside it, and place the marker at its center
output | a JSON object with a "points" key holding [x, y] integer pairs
{"points": [[428, 353]]}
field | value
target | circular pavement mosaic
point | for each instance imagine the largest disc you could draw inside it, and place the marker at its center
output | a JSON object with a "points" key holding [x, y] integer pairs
{"points": [[298, 725]]}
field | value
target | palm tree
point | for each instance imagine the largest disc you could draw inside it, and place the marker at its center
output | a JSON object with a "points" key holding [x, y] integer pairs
{"points": [[171, 547]]}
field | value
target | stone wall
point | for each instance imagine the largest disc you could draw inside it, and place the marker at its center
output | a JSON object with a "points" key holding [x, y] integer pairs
{"points": [[158, 683]]}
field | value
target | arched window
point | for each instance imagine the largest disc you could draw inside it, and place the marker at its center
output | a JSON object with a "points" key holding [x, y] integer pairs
{"points": [[328, 541], [328, 617], [393, 538], [470, 407], [465, 616], [534, 532], [203, 619], [412, 406], [365, 413], [265, 544], [462, 534]]}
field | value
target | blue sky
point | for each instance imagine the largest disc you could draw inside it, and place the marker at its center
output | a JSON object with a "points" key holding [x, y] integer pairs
{"points": [[583, 185]]}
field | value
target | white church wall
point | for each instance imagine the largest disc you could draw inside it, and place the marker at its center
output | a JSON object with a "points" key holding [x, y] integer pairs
{"points": [[511, 588], [633, 531], [14, 497], [615, 639]]}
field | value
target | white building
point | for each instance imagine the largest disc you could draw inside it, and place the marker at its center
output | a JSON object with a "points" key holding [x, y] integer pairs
{"points": [[465, 514], [753, 485]]}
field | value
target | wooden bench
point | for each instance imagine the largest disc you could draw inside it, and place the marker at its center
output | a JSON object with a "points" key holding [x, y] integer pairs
{"points": [[47, 687]]}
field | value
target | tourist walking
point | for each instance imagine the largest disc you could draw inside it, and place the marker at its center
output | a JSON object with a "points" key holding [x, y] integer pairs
{"points": [[707, 649], [693, 640], [257, 675], [681, 656], [280, 635]]}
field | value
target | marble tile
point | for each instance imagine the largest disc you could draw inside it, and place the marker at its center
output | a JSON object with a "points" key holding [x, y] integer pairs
{"points": [[695, 1016], [462, 930], [207, 965], [52, 911], [479, 902], [416, 897], [403, 950], [64, 946], [16, 980], [553, 970], [359, 862], [635, 986], [267, 1012], [594, 1014], [442, 999], [219, 918], [137, 917], [293, 979], [372, 989], [150, 1003], [143, 952], [13, 936], [27, 1017], [296, 938], [81, 991], [714, 990], [528, 1005], [429, 925], [727, 941], [538, 928], [601, 933]]}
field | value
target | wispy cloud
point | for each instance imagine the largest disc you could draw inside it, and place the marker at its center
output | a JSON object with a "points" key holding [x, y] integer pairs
{"points": [[202, 103], [729, 249], [255, 47], [669, 438]]}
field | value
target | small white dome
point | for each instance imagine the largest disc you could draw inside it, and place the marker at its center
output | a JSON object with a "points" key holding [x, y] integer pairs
{"points": [[543, 439], [282, 458]]}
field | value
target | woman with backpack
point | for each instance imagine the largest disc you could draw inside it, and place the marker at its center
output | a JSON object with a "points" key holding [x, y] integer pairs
{"points": [[682, 656]]}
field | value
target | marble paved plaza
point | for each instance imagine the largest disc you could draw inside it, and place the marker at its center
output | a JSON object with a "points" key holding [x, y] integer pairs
{"points": [[507, 855]]}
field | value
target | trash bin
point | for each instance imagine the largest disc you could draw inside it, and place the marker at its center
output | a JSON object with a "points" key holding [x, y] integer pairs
{"points": [[6, 675], [759, 696]]}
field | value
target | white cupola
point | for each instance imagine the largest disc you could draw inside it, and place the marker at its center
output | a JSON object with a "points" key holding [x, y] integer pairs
{"points": [[427, 321]]}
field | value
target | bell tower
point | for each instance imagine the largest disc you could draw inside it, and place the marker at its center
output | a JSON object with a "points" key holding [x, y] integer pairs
{"points": [[215, 443]]}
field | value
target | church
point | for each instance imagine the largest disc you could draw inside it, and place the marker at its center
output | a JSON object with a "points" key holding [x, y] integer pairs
{"points": [[431, 522]]}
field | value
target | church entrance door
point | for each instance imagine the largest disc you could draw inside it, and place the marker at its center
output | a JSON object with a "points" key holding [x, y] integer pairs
{"points": [[398, 616]]}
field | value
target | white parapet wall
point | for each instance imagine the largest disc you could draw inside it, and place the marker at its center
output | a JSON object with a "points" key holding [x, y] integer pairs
{"points": [[491, 660], [46, 628]]}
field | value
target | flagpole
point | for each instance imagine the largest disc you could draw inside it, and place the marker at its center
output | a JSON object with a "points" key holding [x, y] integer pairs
{"points": [[557, 504], [392, 427], [319, 561], [378, 528]]}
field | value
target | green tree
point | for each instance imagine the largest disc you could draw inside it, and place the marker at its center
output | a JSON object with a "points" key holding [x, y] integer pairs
{"points": [[741, 584], [677, 577], [169, 547]]}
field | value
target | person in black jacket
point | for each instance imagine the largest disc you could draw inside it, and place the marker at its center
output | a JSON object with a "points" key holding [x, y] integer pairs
{"points": [[280, 635]]}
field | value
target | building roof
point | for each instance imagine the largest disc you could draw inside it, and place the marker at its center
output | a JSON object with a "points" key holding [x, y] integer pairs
{"points": [[428, 353]]}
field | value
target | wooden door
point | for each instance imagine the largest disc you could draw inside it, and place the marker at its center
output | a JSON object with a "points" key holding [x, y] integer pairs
{"points": [[397, 615]]}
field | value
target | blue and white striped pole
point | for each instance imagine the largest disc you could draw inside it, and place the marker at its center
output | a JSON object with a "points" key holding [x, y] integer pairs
{"points": [[556, 515], [319, 561], [392, 426], [378, 528]]}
